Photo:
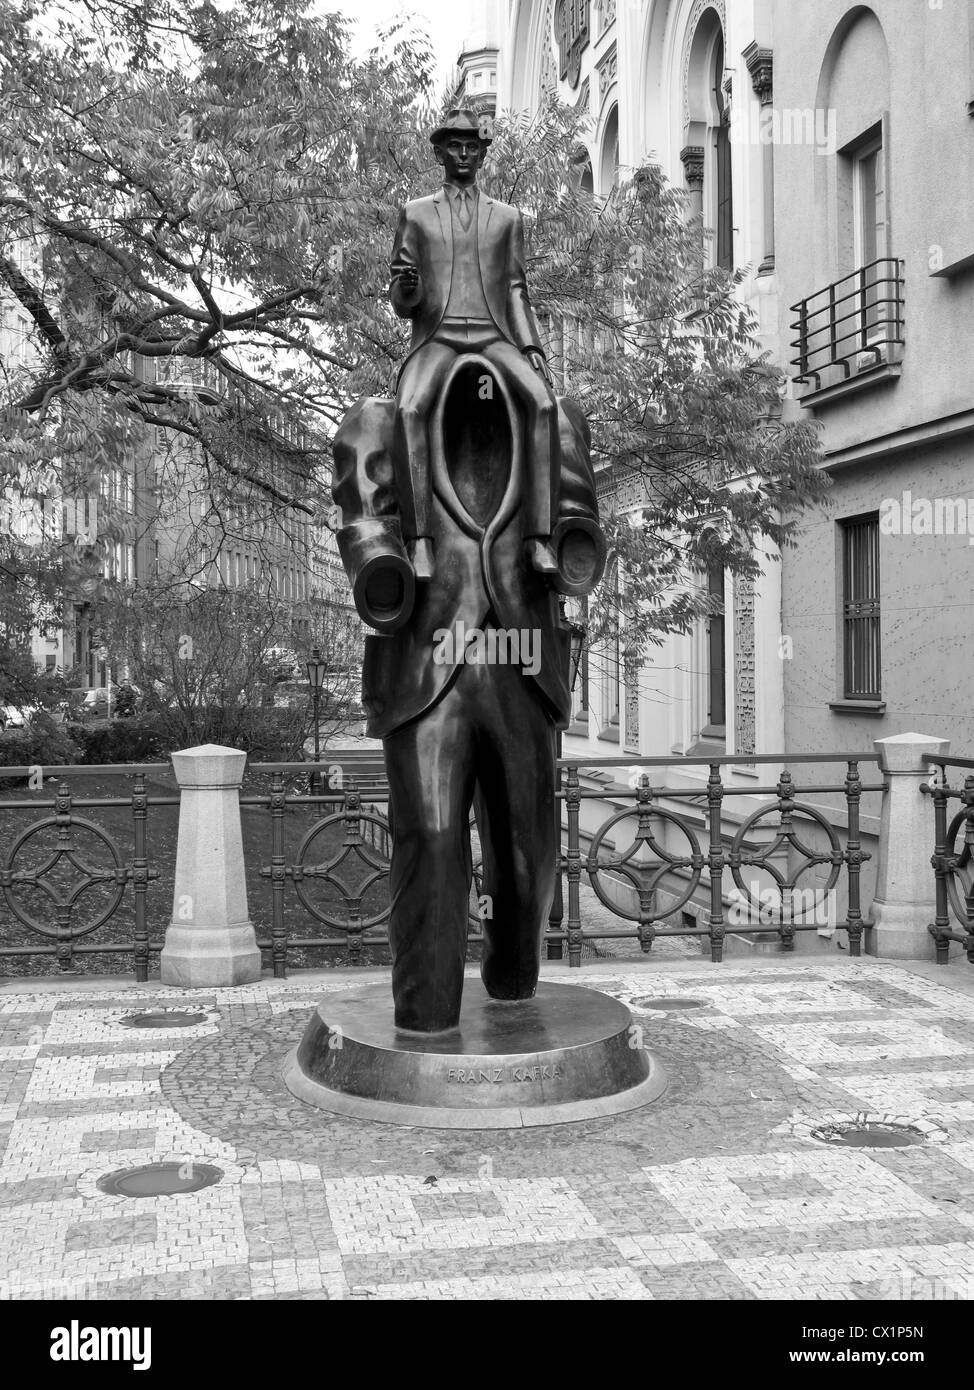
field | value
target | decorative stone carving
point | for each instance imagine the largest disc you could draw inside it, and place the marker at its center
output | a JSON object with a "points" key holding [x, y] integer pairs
{"points": [[628, 492], [691, 157], [745, 707], [607, 15], [631, 729], [760, 64], [608, 72], [548, 77], [572, 35]]}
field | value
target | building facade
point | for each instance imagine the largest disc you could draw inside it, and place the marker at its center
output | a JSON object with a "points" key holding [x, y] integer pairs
{"points": [[674, 82], [830, 150], [876, 272]]}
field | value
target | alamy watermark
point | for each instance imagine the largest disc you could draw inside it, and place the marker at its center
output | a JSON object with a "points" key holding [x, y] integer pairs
{"points": [[493, 646], [771, 125], [927, 516], [767, 907]]}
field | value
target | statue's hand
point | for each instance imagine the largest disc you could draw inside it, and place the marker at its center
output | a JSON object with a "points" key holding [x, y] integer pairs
{"points": [[407, 276], [536, 358]]}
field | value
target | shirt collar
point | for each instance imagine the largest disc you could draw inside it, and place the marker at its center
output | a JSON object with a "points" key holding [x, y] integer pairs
{"points": [[454, 189]]}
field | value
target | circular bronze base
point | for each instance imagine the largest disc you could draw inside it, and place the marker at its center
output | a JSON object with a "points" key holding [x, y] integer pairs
{"points": [[568, 1054]]}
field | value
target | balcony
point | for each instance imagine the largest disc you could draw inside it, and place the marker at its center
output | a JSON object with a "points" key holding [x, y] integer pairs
{"points": [[850, 335]]}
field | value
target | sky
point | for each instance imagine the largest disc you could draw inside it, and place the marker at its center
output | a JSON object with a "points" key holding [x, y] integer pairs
{"points": [[446, 22]]}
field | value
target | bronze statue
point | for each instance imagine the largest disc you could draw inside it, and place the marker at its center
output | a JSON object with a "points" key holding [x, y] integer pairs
{"points": [[458, 274], [487, 476]]}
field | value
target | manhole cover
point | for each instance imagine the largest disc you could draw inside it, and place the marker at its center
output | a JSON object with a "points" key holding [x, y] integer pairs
{"points": [[869, 1134], [164, 1018], [674, 1003], [159, 1179]]}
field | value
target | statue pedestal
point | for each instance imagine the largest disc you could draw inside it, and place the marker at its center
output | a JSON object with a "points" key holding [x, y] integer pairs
{"points": [[568, 1054]]}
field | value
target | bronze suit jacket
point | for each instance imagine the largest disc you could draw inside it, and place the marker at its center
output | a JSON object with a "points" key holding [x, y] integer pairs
{"points": [[424, 239], [400, 679]]}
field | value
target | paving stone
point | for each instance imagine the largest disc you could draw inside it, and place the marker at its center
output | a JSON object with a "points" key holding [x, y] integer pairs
{"points": [[120, 1230], [716, 1190]]}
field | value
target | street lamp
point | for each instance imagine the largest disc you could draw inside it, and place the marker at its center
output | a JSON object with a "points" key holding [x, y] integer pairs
{"points": [[577, 646], [316, 668], [575, 654]]}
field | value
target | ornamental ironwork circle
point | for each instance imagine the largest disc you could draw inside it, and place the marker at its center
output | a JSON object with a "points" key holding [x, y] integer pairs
{"points": [[785, 836], [324, 872], [636, 871], [160, 1179], [960, 870], [63, 903], [165, 1018]]}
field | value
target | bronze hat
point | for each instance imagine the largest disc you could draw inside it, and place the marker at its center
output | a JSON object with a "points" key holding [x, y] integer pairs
{"points": [[460, 121]]}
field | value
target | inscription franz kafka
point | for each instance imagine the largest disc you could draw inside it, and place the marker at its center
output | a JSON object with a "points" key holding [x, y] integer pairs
{"points": [[476, 1075]]}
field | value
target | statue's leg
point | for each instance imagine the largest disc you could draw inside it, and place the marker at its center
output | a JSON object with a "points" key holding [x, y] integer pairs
{"points": [[430, 766], [418, 388], [540, 499], [516, 820]]}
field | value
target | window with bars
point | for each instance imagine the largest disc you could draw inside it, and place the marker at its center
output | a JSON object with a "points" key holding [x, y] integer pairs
{"points": [[861, 630]]}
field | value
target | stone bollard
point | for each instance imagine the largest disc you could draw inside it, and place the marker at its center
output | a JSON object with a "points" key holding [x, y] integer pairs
{"points": [[210, 940], [904, 904]]}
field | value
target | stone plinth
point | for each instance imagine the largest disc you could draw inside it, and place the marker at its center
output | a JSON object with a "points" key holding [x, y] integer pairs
{"points": [[570, 1053], [210, 940], [904, 904]]}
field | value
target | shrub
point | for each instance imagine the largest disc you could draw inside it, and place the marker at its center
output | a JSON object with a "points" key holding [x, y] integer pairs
{"points": [[141, 740], [41, 743]]}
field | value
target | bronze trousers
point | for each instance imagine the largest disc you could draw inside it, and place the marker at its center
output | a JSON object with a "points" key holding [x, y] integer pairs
{"points": [[419, 385], [488, 738]]}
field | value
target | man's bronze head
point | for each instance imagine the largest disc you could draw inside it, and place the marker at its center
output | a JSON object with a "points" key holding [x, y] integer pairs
{"points": [[460, 144]]}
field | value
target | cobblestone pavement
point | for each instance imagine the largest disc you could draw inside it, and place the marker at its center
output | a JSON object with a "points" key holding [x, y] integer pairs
{"points": [[718, 1189]]}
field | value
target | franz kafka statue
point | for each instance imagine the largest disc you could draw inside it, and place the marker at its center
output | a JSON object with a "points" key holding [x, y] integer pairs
{"points": [[467, 506]]}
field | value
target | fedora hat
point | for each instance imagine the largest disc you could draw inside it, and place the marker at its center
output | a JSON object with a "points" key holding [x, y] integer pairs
{"points": [[460, 121]]}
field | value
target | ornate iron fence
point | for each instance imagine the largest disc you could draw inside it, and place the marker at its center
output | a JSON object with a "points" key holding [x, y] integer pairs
{"points": [[680, 853], [662, 881], [647, 862], [352, 833], [64, 877], [953, 868]]}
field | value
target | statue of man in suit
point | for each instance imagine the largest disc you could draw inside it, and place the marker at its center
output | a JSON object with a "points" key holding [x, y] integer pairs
{"points": [[499, 483], [458, 274]]}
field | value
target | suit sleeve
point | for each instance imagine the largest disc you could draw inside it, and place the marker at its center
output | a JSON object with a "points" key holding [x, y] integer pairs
{"points": [[405, 248], [519, 312]]}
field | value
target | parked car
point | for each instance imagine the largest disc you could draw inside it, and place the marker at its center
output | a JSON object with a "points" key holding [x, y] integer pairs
{"points": [[17, 716]]}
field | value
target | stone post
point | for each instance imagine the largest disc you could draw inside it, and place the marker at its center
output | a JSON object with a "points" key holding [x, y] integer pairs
{"points": [[904, 904], [210, 940]]}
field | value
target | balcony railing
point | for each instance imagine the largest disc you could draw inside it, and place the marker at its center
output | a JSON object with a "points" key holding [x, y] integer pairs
{"points": [[850, 326]]}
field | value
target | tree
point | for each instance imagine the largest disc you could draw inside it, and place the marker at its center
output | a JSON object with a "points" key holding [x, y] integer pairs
{"points": [[684, 408], [215, 192], [208, 669]]}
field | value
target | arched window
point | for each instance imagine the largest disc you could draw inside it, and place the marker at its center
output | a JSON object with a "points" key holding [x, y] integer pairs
{"points": [[707, 149], [723, 197], [609, 164]]}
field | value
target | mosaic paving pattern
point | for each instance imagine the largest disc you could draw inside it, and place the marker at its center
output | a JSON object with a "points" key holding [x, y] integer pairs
{"points": [[717, 1190]]}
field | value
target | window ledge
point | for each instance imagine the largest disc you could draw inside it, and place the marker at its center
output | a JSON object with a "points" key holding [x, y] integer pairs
{"points": [[881, 375], [577, 729], [610, 734], [867, 707]]}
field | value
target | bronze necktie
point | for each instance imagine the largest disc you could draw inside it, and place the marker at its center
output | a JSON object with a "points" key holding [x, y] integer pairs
{"points": [[463, 208]]}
